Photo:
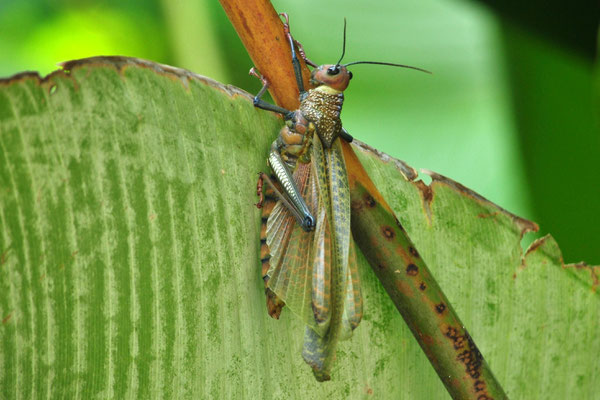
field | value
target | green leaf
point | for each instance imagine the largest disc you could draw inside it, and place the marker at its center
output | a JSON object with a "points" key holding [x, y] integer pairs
{"points": [[129, 257]]}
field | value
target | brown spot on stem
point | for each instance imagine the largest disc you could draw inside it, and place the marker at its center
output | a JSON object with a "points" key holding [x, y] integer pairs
{"points": [[472, 360], [440, 308], [400, 225], [455, 383], [413, 251], [356, 205], [454, 335], [404, 288], [470, 355], [451, 332], [412, 270], [369, 201], [479, 386], [388, 232], [422, 286], [428, 340]]}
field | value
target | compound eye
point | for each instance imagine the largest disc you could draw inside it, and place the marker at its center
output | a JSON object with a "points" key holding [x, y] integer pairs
{"points": [[334, 70], [349, 75]]}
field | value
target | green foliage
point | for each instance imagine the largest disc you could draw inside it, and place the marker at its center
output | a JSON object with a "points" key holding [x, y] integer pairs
{"points": [[129, 258]]}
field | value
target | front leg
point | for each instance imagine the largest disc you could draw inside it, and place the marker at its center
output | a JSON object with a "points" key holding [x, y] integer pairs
{"points": [[260, 103]]}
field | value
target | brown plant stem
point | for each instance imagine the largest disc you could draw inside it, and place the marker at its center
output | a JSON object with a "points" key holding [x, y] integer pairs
{"points": [[415, 293], [379, 234], [261, 31]]}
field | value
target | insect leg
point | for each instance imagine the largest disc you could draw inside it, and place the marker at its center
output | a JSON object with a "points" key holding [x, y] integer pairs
{"points": [[303, 54], [291, 196], [286, 30], [259, 190], [295, 61], [346, 136], [260, 103]]}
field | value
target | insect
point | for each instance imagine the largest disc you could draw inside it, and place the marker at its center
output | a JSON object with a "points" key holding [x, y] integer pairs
{"points": [[311, 266]]}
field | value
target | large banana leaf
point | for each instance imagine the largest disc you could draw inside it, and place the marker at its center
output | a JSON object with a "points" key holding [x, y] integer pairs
{"points": [[129, 257]]}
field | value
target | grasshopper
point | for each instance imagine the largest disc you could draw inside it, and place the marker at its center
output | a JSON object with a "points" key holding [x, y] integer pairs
{"points": [[312, 266]]}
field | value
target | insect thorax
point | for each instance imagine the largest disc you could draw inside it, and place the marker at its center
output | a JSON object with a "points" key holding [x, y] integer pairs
{"points": [[322, 106], [319, 111]]}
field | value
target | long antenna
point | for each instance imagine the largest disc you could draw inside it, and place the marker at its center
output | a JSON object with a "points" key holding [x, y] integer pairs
{"points": [[390, 64], [344, 45]]}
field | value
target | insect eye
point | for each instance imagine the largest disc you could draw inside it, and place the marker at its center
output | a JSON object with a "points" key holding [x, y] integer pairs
{"points": [[334, 70], [349, 75]]}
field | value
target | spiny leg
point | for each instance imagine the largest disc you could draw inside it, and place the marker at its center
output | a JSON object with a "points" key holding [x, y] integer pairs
{"points": [[259, 191], [295, 61], [303, 54], [286, 30], [290, 195], [260, 103]]}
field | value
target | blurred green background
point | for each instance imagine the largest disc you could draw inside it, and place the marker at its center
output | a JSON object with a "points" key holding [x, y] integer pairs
{"points": [[512, 110]]}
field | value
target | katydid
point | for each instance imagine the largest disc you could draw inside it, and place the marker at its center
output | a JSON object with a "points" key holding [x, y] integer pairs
{"points": [[312, 266]]}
